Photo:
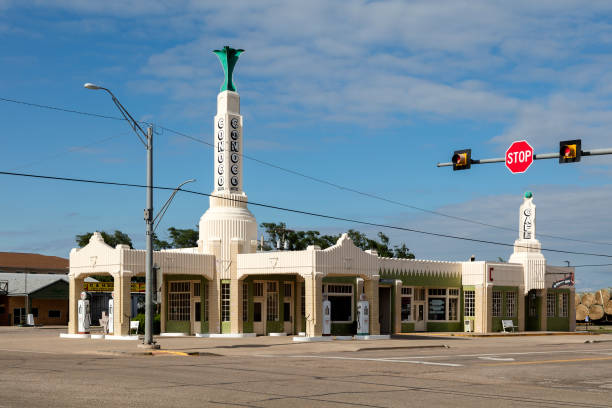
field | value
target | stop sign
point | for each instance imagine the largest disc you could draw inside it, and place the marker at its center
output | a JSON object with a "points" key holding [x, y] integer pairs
{"points": [[519, 156]]}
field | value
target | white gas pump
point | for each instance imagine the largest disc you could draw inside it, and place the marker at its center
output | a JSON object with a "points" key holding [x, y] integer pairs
{"points": [[111, 308], [84, 317], [363, 316], [326, 316]]}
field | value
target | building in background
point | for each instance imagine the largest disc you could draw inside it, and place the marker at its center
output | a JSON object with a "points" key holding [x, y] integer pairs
{"points": [[224, 286]]}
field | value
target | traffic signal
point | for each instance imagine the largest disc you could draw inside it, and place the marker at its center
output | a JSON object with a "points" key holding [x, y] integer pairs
{"points": [[462, 159], [570, 151]]}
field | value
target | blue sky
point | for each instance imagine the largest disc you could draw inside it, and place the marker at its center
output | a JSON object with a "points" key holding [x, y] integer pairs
{"points": [[367, 94]]}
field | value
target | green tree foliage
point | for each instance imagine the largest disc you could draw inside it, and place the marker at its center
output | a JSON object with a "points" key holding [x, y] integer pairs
{"points": [[113, 240], [299, 240], [179, 238]]}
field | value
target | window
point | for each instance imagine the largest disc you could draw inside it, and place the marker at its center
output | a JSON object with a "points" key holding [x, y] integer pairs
{"points": [[510, 304], [272, 302], [453, 308], [437, 308], [533, 306], [341, 298], [196, 289], [436, 292], [419, 294], [198, 311], [563, 304], [245, 301], [258, 289], [469, 298], [225, 302], [303, 300], [178, 301], [257, 311], [406, 304], [497, 303], [205, 302], [287, 289], [406, 308], [34, 312], [287, 311], [442, 304], [55, 314], [550, 304]]}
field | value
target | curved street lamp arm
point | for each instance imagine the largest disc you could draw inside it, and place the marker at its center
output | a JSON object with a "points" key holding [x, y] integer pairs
{"points": [[164, 208], [126, 115]]}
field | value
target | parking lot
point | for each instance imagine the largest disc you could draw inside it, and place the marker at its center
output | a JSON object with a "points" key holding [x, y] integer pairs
{"points": [[39, 369]]}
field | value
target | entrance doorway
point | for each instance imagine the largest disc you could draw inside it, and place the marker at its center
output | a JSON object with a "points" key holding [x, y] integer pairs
{"points": [[419, 309], [259, 308], [287, 309], [384, 309]]}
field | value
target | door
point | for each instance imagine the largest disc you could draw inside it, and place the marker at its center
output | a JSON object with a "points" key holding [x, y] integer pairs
{"points": [[196, 308], [259, 308], [419, 316], [384, 309], [287, 307]]}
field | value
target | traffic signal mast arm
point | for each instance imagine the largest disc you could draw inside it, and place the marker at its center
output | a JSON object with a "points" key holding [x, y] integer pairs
{"points": [[542, 156]]}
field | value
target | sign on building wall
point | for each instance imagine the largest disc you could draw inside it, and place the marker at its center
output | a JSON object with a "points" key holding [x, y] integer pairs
{"points": [[228, 157], [135, 287]]}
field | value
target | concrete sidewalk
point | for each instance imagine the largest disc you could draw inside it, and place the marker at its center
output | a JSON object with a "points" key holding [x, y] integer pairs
{"points": [[46, 340]]}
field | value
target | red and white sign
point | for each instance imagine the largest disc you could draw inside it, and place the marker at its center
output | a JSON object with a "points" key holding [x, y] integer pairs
{"points": [[519, 156]]}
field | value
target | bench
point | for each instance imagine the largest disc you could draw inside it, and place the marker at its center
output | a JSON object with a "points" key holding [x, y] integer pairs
{"points": [[508, 324], [134, 324]]}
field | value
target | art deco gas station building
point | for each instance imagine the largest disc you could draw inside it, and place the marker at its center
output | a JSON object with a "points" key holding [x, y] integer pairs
{"points": [[225, 286]]}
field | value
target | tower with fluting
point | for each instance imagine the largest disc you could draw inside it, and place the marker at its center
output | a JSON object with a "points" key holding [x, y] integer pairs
{"points": [[227, 228], [527, 249]]}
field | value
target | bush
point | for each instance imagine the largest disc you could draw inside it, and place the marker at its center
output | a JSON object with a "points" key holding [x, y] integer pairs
{"points": [[141, 326]]}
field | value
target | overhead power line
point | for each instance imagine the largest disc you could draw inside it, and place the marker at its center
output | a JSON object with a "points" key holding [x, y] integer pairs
{"points": [[306, 176], [310, 213]]}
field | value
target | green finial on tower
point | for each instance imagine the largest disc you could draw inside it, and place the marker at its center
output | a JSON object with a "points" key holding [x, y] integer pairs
{"points": [[528, 194], [228, 57]]}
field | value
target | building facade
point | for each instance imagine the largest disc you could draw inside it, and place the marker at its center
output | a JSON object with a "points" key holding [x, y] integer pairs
{"points": [[225, 286]]}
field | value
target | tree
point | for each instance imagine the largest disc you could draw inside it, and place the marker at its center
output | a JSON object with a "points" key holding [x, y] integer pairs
{"points": [[299, 240], [183, 238], [113, 240]]}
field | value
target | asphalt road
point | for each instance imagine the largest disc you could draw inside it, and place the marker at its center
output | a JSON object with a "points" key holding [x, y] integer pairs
{"points": [[501, 372]]}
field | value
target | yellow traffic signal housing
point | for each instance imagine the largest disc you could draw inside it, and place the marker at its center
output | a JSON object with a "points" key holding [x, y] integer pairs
{"points": [[462, 159], [570, 151]]}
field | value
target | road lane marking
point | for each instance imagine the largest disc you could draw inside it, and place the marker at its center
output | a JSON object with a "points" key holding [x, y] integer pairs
{"points": [[386, 360], [602, 351], [573, 360], [497, 358]]}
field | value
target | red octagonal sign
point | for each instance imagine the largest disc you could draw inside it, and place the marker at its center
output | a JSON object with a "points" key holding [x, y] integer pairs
{"points": [[519, 156]]}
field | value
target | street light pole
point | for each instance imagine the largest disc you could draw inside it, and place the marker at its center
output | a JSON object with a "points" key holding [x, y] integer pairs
{"points": [[147, 140], [148, 339]]}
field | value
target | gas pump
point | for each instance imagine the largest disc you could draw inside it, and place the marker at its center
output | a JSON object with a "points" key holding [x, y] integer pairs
{"points": [[111, 309], [84, 316], [363, 316], [326, 316]]}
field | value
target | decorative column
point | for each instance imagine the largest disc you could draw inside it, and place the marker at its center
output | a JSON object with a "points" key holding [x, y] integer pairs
{"points": [[521, 308], [397, 307], [371, 292], [122, 299], [314, 303], [214, 289], [75, 287], [235, 287], [571, 313], [543, 312], [298, 305], [480, 309]]}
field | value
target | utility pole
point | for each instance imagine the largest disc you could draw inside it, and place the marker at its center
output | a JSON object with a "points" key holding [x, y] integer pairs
{"points": [[148, 339]]}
